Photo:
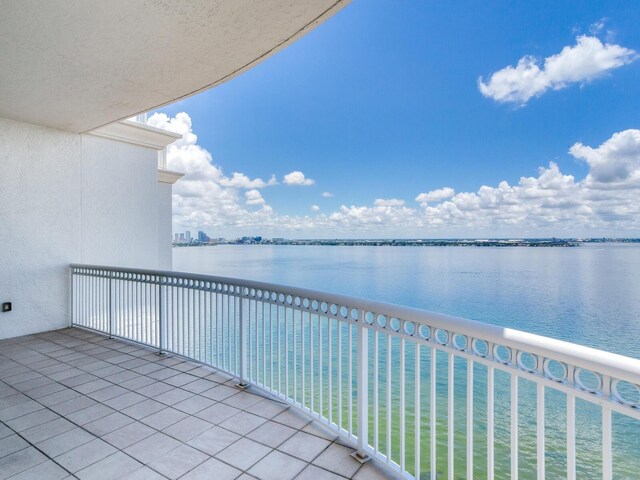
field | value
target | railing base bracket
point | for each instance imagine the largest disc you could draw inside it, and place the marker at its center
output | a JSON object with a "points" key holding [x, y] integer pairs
{"points": [[361, 457], [160, 354], [242, 385]]}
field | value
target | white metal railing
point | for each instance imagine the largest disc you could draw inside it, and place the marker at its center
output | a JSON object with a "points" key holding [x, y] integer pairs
{"points": [[428, 394]]}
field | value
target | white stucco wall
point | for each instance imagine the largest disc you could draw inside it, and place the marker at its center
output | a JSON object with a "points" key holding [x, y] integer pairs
{"points": [[68, 198], [165, 259], [119, 195]]}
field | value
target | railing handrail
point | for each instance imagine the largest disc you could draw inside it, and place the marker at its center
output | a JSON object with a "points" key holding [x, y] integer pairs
{"points": [[615, 365]]}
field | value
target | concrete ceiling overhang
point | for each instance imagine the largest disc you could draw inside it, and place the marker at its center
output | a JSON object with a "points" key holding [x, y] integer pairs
{"points": [[76, 65]]}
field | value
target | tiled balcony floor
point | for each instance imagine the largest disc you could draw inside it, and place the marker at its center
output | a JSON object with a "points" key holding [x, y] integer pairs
{"points": [[78, 405]]}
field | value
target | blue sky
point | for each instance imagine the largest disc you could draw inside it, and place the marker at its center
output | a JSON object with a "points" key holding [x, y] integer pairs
{"points": [[382, 102]]}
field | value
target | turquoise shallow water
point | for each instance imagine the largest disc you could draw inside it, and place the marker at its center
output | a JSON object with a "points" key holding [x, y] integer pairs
{"points": [[588, 295]]}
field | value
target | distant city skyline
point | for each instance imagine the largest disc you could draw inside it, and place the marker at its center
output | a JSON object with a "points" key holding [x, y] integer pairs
{"points": [[443, 124]]}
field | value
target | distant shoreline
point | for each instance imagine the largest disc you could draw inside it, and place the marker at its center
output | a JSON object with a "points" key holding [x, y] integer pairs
{"points": [[536, 242]]}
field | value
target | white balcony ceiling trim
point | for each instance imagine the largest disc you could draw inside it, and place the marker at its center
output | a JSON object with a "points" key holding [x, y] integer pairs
{"points": [[169, 176], [82, 64], [137, 134]]}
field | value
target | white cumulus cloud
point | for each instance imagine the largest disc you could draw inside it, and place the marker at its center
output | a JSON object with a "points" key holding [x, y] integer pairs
{"points": [[205, 197], [615, 163], [388, 202], [603, 202], [240, 180], [297, 178], [327, 194], [254, 197], [589, 58], [436, 195]]}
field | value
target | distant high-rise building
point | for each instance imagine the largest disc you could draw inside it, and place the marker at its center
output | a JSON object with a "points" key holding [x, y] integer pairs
{"points": [[181, 240], [187, 236], [202, 237], [176, 237]]}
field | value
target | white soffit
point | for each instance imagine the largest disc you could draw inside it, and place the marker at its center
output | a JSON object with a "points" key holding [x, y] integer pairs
{"points": [[77, 65], [169, 176], [137, 133]]}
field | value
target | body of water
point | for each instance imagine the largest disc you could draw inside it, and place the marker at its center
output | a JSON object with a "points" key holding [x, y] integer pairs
{"points": [[588, 295]]}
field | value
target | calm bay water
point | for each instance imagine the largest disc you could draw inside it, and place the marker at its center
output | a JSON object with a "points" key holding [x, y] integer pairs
{"points": [[588, 295]]}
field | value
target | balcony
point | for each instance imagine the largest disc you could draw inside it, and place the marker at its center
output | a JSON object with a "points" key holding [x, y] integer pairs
{"points": [[281, 382]]}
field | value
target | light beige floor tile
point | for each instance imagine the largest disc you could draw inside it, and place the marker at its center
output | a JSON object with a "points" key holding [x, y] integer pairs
{"points": [[243, 454], [337, 458], [271, 434], [277, 466]]}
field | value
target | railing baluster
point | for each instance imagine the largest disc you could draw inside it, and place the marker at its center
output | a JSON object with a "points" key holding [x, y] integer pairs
{"points": [[251, 346], [93, 302], [363, 386], [236, 333], [271, 340], [286, 353], [141, 313], [209, 324], [110, 307], [255, 358], [160, 320], [225, 331], [303, 355], [490, 422], [416, 412], [571, 437], [312, 380], [540, 435], [229, 318], [184, 334], [253, 339], [295, 357], [330, 371], [320, 371], [470, 366], [376, 392], [196, 315], [349, 379], [202, 306], [148, 305], [340, 359], [243, 345], [279, 350], [607, 464], [263, 324], [514, 426], [450, 416], [131, 309], [388, 392], [432, 414], [72, 288], [403, 463]]}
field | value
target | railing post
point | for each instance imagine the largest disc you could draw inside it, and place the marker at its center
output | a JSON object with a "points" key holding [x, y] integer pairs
{"points": [[161, 323], [363, 391], [242, 374], [71, 292], [109, 278]]}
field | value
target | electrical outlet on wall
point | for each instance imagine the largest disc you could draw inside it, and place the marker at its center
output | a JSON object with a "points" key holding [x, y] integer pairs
{"points": [[6, 307]]}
